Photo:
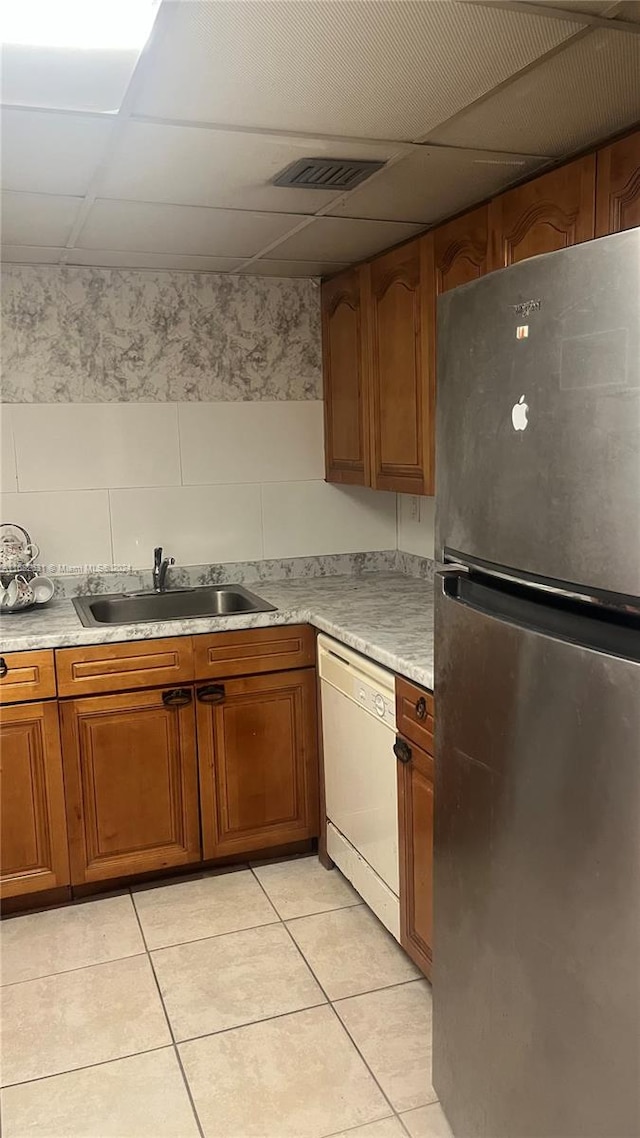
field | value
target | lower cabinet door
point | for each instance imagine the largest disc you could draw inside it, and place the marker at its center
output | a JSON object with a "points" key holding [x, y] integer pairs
{"points": [[257, 742], [33, 831], [415, 809], [131, 781]]}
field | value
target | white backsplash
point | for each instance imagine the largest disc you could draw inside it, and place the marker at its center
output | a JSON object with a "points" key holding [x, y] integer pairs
{"points": [[175, 409], [182, 409], [416, 522]]}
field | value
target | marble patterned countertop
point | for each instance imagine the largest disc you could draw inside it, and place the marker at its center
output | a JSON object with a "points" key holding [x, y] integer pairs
{"points": [[385, 616]]}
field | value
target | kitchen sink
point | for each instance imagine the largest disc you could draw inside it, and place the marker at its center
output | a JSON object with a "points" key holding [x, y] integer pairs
{"points": [[174, 604]]}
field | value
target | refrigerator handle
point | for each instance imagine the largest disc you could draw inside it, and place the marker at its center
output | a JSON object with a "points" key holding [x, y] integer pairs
{"points": [[451, 570]]}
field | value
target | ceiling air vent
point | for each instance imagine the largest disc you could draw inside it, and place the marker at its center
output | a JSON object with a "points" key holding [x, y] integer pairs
{"points": [[326, 173]]}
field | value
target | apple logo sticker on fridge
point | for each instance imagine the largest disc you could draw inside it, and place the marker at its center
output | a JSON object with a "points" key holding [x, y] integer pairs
{"points": [[519, 413]]}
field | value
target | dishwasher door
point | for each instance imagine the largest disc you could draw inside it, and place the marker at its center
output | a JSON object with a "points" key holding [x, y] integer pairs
{"points": [[358, 729]]}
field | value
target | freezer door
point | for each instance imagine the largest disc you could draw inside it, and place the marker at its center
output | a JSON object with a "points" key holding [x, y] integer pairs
{"points": [[538, 419], [536, 978]]}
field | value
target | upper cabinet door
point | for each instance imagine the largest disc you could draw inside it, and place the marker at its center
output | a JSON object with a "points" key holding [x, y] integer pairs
{"points": [[401, 371], [345, 397], [549, 213], [460, 250], [618, 186]]}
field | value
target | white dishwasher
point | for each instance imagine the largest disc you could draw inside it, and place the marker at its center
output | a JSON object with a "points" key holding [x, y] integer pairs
{"points": [[358, 731]]}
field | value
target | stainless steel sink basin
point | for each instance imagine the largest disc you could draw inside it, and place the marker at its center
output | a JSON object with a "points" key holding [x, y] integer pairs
{"points": [[174, 604]]}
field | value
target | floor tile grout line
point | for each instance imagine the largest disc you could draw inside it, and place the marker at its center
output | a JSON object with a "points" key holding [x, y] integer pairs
{"points": [[374, 991], [324, 912], [358, 1126], [170, 1027], [330, 1005], [87, 1066], [213, 936], [251, 1023], [69, 971]]}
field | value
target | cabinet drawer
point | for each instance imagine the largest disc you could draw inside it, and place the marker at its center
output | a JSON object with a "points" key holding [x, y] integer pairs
{"points": [[253, 651], [414, 713], [29, 675], [124, 667]]}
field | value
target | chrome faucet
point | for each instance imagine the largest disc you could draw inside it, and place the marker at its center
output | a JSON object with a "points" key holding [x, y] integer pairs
{"points": [[160, 568]]}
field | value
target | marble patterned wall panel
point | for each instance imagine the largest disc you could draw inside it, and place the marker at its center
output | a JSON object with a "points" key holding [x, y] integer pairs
{"points": [[109, 335]]}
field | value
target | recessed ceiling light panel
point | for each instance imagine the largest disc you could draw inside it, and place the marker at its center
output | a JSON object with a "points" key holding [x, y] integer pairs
{"points": [[83, 24]]}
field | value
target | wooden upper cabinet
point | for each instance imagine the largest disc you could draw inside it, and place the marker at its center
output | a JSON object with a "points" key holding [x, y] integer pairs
{"points": [[400, 368], [460, 250], [131, 782], [618, 186], [33, 831], [257, 746], [345, 396], [551, 212]]}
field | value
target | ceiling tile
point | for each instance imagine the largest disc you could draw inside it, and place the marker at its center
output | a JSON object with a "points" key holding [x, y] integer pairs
{"points": [[535, 114], [435, 182], [37, 219], [340, 239], [625, 10], [628, 10], [589, 7], [117, 259], [374, 69], [64, 78], [267, 268], [148, 227], [195, 166], [50, 153], [29, 255]]}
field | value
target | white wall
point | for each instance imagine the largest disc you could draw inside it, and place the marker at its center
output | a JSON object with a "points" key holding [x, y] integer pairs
{"points": [[416, 518], [174, 409], [101, 484]]}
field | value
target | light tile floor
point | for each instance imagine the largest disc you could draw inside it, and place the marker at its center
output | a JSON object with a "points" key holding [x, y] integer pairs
{"points": [[263, 1002]]}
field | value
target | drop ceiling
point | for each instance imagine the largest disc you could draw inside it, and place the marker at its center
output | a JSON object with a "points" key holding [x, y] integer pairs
{"points": [[166, 159]]}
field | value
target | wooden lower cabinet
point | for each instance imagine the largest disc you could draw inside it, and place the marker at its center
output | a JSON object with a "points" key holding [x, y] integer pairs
{"points": [[415, 814], [33, 831], [257, 743], [130, 767]]}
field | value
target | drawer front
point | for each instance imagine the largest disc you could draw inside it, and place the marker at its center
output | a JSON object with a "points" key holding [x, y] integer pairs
{"points": [[27, 675], [256, 650], [124, 667], [414, 714]]}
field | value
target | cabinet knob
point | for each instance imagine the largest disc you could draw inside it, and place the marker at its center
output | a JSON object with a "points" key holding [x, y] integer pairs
{"points": [[176, 697], [402, 751], [211, 693], [421, 708], [4, 668]]}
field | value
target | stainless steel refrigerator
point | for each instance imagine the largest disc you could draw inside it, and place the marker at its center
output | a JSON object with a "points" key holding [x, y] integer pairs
{"points": [[536, 979]]}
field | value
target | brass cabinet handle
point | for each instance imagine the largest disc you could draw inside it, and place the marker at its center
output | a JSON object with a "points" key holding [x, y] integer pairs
{"points": [[176, 697], [402, 751], [211, 693], [421, 708], [4, 667]]}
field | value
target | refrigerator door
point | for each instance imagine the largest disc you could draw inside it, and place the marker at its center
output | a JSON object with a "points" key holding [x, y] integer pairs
{"points": [[538, 418], [536, 981]]}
